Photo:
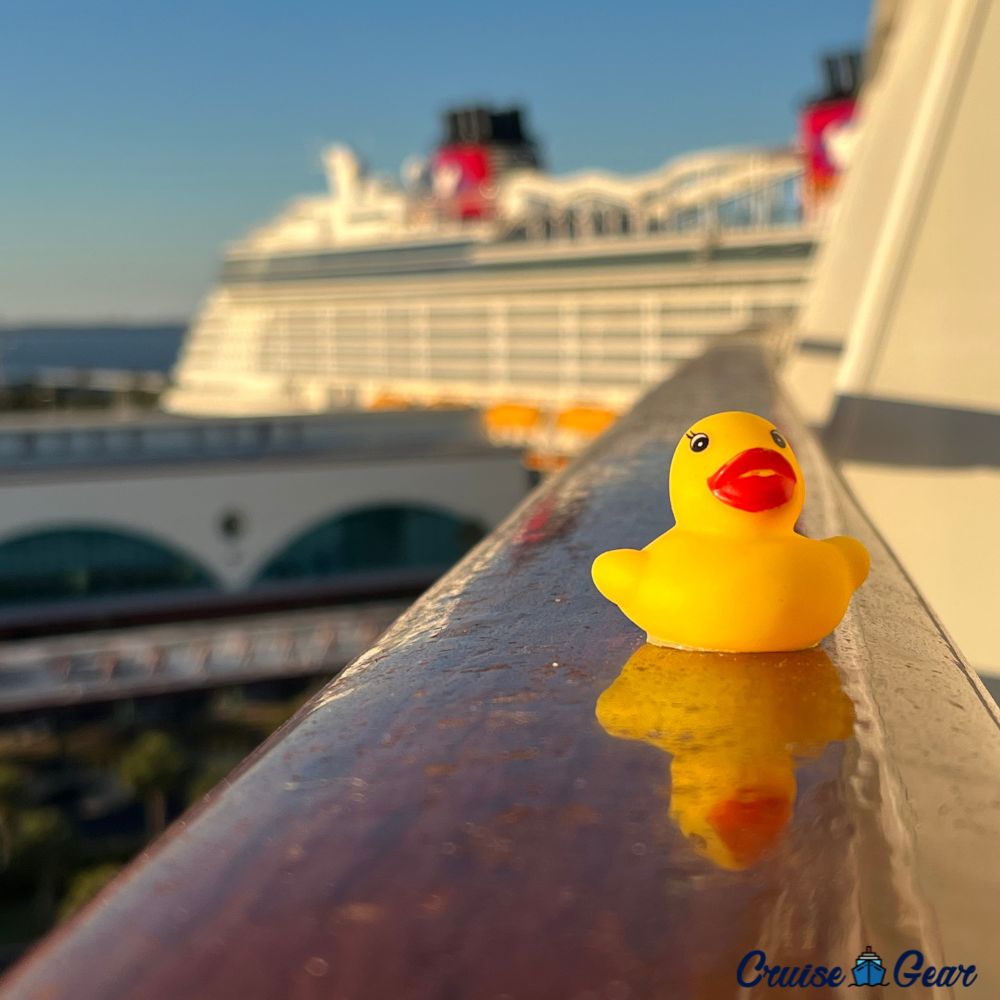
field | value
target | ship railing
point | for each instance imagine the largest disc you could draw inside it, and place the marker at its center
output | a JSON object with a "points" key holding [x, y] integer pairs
{"points": [[147, 438], [165, 659], [109, 380], [509, 796], [597, 203]]}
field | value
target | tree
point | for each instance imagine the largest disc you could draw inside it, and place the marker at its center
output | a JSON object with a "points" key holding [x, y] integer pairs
{"points": [[11, 798], [205, 780], [41, 842], [153, 767], [84, 886]]}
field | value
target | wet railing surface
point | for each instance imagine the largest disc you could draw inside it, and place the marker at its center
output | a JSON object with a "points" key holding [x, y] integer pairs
{"points": [[510, 797]]}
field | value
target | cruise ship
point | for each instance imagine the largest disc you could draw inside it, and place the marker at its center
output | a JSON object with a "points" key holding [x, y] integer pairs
{"points": [[480, 279]]}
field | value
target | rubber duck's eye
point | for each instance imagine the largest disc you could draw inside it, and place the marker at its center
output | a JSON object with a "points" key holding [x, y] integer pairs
{"points": [[779, 440], [699, 442]]}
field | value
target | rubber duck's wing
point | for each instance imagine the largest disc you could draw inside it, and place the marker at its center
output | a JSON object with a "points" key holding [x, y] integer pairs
{"points": [[617, 573]]}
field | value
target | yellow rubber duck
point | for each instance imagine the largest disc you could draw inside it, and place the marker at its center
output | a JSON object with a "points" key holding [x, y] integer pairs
{"points": [[733, 575], [737, 726]]}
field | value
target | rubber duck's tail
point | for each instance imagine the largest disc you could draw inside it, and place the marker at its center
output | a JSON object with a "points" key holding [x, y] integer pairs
{"points": [[616, 574], [856, 555]]}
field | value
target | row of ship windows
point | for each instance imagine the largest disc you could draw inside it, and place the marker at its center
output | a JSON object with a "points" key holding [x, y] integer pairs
{"points": [[618, 223], [364, 364], [483, 318], [344, 265], [472, 345], [475, 344], [481, 315], [528, 352], [584, 328], [458, 346], [360, 338], [477, 315], [626, 379], [375, 352], [615, 370], [251, 314]]}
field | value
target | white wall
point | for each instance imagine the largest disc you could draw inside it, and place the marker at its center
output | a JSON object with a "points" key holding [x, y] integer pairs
{"points": [[909, 281], [181, 506]]}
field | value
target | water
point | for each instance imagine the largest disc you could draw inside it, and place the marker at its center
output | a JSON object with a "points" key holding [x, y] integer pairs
{"points": [[24, 350]]}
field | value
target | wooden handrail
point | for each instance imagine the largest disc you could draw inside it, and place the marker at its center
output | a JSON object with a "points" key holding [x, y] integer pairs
{"points": [[482, 806]]}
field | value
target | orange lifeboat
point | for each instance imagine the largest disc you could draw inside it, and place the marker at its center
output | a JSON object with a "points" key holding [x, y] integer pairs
{"points": [[585, 421], [512, 423], [389, 401], [512, 416]]}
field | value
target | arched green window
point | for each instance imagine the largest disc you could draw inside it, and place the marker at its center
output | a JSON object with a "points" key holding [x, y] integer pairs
{"points": [[69, 563], [376, 538]]}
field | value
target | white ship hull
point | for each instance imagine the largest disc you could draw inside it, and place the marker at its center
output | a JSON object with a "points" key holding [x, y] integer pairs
{"points": [[593, 321]]}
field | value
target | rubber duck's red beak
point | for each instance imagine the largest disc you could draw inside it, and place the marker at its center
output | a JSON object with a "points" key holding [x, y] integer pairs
{"points": [[750, 823], [756, 479]]}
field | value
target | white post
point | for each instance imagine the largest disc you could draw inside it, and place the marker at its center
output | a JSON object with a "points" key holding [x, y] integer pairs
{"points": [[569, 347], [423, 330], [649, 345], [499, 346]]}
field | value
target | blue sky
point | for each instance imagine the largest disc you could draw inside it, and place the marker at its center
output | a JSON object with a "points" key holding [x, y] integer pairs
{"points": [[140, 135]]}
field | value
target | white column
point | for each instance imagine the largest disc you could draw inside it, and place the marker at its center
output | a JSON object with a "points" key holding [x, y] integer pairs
{"points": [[422, 327], [499, 347], [569, 348], [649, 340]]}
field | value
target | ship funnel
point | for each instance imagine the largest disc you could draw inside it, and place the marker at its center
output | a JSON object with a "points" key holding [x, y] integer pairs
{"points": [[842, 75], [501, 132]]}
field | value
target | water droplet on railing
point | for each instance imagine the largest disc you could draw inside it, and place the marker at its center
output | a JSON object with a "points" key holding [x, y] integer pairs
{"points": [[317, 967]]}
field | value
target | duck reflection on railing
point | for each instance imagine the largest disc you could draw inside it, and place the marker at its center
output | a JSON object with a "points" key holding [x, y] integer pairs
{"points": [[737, 725]]}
